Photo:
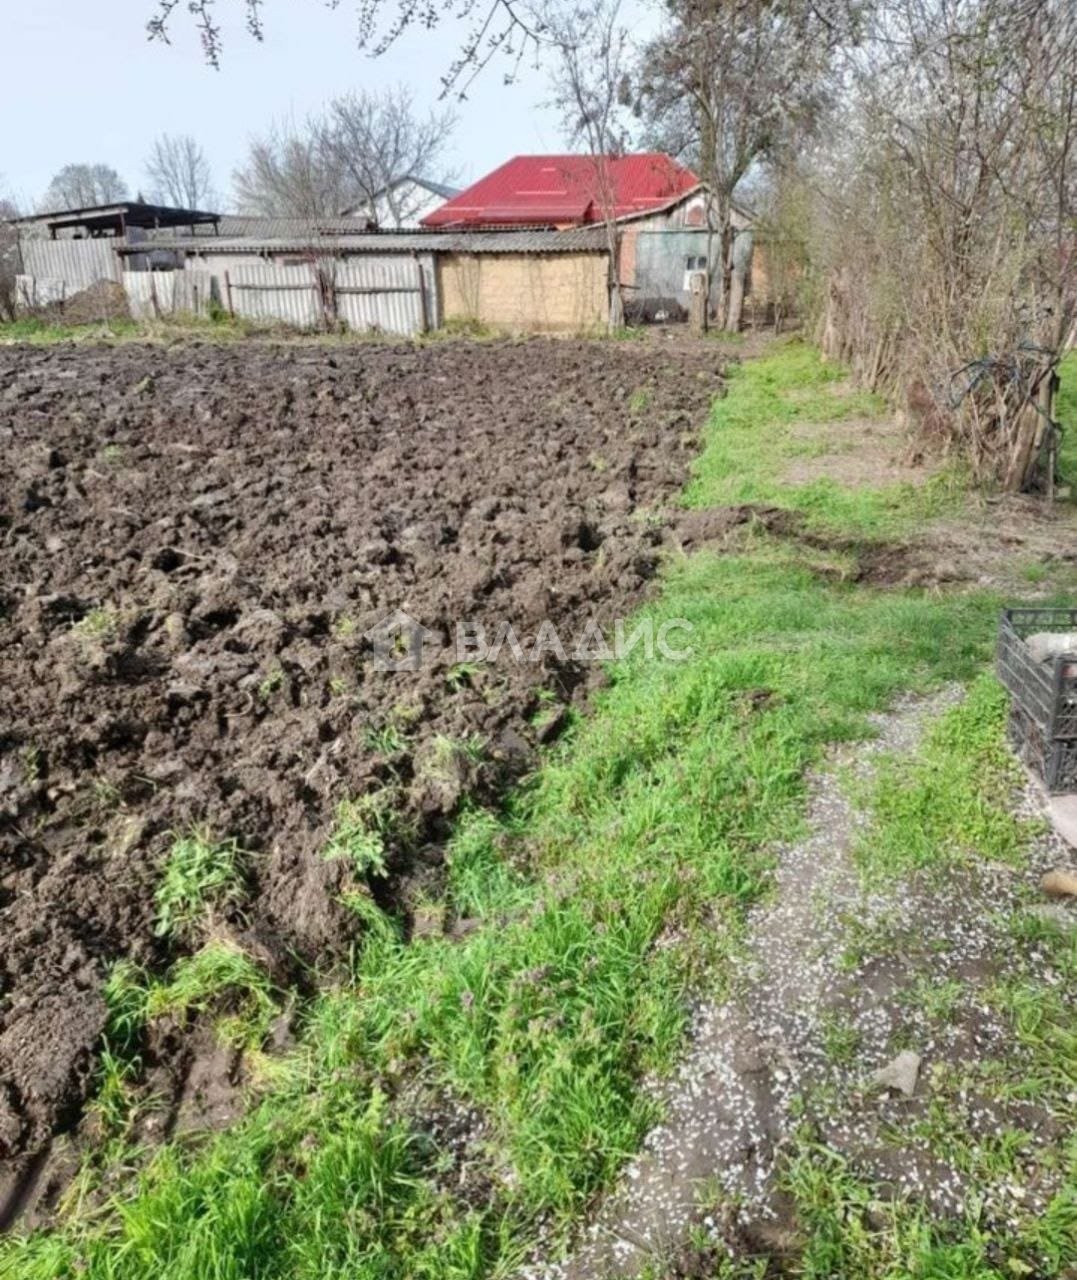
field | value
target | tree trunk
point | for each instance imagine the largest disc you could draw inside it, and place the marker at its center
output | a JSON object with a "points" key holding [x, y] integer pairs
{"points": [[616, 293], [1033, 421], [738, 280]]}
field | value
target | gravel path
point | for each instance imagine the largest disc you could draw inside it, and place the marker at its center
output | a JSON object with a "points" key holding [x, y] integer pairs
{"points": [[754, 1062]]}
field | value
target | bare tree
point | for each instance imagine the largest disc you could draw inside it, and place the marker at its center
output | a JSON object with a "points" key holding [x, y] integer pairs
{"points": [[727, 83], [494, 27], [376, 142], [943, 236], [9, 257], [591, 85], [355, 154], [179, 173], [286, 175], [81, 186]]}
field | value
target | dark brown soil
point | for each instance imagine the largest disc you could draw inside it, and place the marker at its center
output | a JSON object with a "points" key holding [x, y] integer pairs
{"points": [[193, 542]]}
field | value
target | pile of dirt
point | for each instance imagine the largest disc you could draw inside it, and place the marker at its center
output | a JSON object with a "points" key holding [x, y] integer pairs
{"points": [[194, 543], [102, 301]]}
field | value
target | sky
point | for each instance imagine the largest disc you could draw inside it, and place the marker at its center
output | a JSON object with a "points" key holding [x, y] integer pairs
{"points": [[82, 84]]}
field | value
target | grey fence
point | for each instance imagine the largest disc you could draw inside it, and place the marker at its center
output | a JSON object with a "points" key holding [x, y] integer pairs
{"points": [[78, 263], [152, 295], [32, 293], [388, 295]]}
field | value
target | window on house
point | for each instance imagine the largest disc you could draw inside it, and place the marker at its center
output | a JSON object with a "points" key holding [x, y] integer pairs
{"points": [[695, 263]]}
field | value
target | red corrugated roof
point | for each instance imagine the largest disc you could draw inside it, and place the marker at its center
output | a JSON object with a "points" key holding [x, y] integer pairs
{"points": [[565, 191]]}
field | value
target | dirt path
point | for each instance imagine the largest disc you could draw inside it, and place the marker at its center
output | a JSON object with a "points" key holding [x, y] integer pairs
{"points": [[821, 1003]]}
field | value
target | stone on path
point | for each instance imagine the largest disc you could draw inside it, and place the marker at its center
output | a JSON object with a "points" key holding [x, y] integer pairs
{"points": [[900, 1073], [1060, 882]]}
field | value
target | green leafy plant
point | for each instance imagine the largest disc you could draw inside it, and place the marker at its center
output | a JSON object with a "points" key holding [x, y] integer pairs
{"points": [[387, 740], [218, 975], [362, 829], [201, 875], [99, 624], [271, 683], [641, 399]]}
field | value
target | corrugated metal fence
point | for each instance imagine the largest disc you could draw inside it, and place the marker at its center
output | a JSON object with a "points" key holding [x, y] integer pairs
{"points": [[384, 293], [388, 294], [78, 263], [32, 293], [153, 294], [55, 271], [268, 293]]}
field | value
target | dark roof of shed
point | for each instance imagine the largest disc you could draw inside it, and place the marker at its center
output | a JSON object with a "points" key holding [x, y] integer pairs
{"points": [[575, 240], [121, 214]]}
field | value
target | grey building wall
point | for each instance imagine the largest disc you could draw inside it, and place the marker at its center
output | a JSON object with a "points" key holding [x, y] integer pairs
{"points": [[666, 257]]}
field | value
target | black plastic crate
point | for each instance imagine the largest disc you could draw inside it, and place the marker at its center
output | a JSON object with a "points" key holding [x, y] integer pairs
{"points": [[1043, 695]]}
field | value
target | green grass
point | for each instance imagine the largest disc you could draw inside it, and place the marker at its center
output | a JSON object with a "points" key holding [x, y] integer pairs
{"points": [[609, 888], [99, 624], [366, 829], [751, 439], [32, 329], [949, 804], [849, 1231], [946, 808], [220, 328], [201, 876], [221, 979]]}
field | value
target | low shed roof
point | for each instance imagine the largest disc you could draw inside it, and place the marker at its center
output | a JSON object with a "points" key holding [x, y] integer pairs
{"points": [[576, 240]]}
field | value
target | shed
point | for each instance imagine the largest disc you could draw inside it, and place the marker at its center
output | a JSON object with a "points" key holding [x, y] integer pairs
{"points": [[529, 281], [113, 220], [533, 281], [661, 250]]}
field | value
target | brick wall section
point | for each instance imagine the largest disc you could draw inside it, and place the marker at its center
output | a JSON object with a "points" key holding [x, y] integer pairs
{"points": [[525, 292]]}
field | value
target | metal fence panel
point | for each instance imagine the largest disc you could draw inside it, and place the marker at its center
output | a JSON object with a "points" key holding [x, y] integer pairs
{"points": [[193, 292], [383, 294], [32, 292], [78, 263], [149, 293], [283, 295], [152, 294]]}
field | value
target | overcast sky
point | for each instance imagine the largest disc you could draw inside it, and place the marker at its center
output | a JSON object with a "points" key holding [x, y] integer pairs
{"points": [[81, 83]]}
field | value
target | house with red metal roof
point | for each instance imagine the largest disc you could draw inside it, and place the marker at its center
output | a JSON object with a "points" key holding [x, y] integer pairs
{"points": [[566, 191], [659, 204]]}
